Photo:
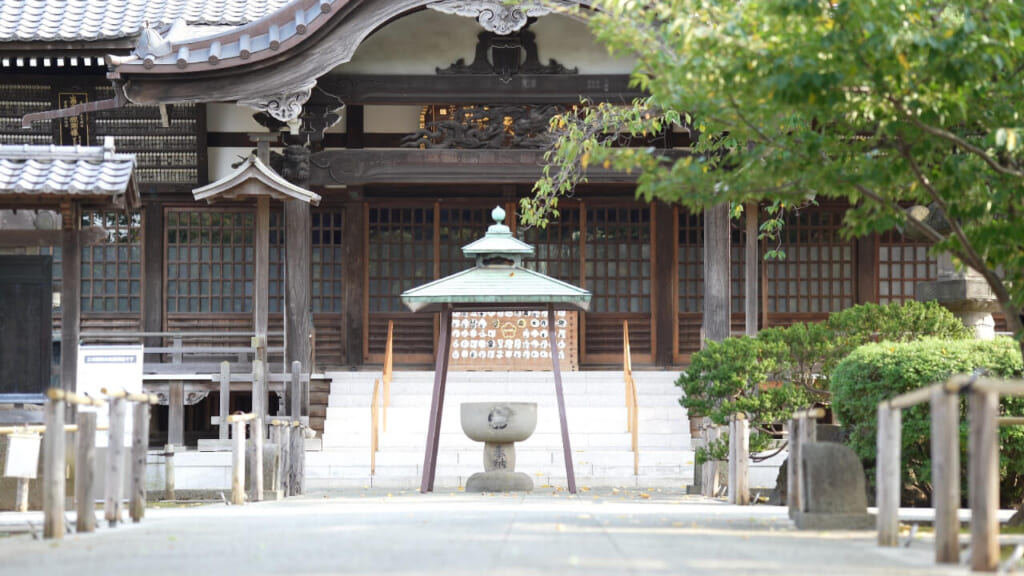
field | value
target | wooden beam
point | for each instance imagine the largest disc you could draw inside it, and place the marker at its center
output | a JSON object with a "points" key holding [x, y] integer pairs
{"points": [[570, 474], [476, 89], [354, 125], [298, 314], [983, 480], [445, 166], [887, 474], [945, 452], [437, 402]]}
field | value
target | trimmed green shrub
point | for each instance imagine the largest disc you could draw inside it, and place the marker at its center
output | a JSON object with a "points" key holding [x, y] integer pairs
{"points": [[876, 372], [726, 377]]}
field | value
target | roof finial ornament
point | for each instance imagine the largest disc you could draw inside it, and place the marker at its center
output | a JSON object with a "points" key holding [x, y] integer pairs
{"points": [[498, 214]]}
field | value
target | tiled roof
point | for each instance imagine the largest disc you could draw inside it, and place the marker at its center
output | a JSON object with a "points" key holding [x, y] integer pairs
{"points": [[86, 20], [173, 51], [68, 171]]}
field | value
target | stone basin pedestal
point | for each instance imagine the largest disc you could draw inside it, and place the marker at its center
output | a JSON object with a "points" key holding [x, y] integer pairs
{"points": [[499, 425]]}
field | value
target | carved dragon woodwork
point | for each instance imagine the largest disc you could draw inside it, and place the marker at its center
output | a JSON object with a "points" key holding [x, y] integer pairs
{"points": [[475, 127]]}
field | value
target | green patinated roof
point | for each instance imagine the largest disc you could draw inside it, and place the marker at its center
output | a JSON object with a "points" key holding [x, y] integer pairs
{"points": [[497, 285]]}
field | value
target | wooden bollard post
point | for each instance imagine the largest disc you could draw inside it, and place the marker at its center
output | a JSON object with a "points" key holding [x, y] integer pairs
{"points": [[21, 496], [711, 467], [238, 456], [983, 479], [298, 453], [739, 458], [140, 442], [887, 474], [945, 444], [115, 463], [53, 470], [169, 472], [85, 472], [792, 478], [285, 434], [256, 431], [225, 400]]}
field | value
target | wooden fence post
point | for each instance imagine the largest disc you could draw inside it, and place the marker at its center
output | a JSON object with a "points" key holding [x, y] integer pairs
{"points": [[983, 459], [887, 474], [21, 495], [792, 478], [285, 434], [945, 408], [238, 464], [225, 400], [140, 443], [298, 441], [53, 470], [169, 472], [85, 472], [711, 467], [115, 462], [739, 459]]}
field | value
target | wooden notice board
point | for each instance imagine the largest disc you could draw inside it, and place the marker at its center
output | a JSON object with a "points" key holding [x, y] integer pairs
{"points": [[514, 341]]}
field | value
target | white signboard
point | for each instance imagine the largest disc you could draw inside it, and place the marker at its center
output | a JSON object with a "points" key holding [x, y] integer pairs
{"points": [[113, 368], [22, 456]]}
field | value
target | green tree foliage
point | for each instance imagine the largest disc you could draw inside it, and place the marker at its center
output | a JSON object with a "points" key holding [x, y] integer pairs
{"points": [[782, 370], [886, 104], [876, 372]]}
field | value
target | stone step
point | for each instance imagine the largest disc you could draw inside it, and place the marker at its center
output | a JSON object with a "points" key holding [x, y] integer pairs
{"points": [[552, 440], [548, 398]]}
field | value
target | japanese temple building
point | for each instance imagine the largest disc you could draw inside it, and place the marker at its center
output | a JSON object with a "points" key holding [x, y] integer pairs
{"points": [[410, 121]]}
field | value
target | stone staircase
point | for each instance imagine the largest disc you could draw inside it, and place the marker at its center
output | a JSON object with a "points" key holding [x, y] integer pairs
{"points": [[596, 414]]}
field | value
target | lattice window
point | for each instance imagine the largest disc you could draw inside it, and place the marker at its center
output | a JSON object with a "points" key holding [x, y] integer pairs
{"points": [[327, 262], [112, 271], [210, 258], [817, 274], [275, 272], [557, 247], [691, 264], [460, 226], [901, 265], [618, 258], [401, 250]]}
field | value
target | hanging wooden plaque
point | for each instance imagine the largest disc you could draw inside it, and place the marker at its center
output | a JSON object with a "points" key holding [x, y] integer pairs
{"points": [[513, 341]]}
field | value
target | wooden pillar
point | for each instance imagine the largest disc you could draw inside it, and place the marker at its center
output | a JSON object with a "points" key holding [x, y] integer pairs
{"points": [[753, 259], [140, 443], [717, 264], [70, 297], [354, 126], [867, 269], [570, 474], [261, 269], [153, 271], [437, 401], [298, 435], [353, 278], [664, 279], [53, 470], [298, 313], [793, 467], [945, 445], [85, 472], [169, 493], [225, 400], [115, 463], [888, 483], [176, 413], [983, 480]]}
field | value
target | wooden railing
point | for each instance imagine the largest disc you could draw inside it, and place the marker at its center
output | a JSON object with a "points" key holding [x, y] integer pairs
{"points": [[632, 406], [374, 431], [389, 357], [381, 399], [983, 464]]}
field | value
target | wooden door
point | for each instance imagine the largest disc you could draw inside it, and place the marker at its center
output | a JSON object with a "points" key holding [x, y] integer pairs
{"points": [[26, 299]]}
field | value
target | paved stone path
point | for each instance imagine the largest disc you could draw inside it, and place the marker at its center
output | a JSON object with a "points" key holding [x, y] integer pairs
{"points": [[455, 534]]}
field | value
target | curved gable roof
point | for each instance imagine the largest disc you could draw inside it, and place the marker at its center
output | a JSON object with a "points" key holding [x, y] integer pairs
{"points": [[301, 42]]}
